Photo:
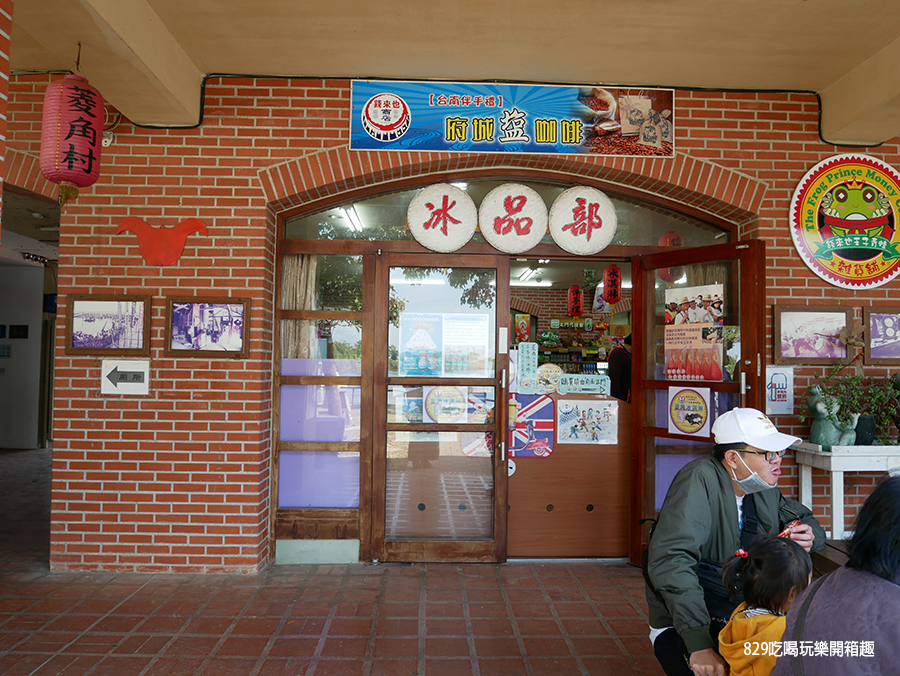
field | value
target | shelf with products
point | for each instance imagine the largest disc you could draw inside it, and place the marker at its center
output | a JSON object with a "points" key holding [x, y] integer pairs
{"points": [[573, 359]]}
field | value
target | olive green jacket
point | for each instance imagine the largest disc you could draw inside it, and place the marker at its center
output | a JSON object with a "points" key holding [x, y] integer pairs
{"points": [[699, 520]]}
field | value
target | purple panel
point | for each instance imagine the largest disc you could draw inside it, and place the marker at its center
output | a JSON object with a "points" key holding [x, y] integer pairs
{"points": [[667, 467], [318, 479], [320, 367], [305, 418]]}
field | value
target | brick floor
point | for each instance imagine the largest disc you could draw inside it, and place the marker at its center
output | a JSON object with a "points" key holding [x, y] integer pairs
{"points": [[520, 618]]}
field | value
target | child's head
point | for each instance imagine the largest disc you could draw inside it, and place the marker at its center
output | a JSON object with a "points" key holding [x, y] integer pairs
{"points": [[771, 573]]}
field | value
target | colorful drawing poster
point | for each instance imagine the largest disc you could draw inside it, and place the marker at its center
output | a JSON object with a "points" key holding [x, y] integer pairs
{"points": [[445, 404], [689, 411], [421, 344], [694, 352], [589, 421], [533, 431], [467, 345], [779, 390]]}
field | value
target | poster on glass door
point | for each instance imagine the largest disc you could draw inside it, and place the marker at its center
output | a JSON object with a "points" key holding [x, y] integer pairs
{"points": [[445, 345], [694, 334]]}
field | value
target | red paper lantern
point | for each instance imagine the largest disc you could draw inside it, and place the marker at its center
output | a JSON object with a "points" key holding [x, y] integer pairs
{"points": [[671, 238], [576, 301], [612, 284], [71, 135]]}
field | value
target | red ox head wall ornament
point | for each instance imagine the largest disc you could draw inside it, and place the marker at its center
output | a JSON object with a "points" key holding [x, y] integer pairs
{"points": [[161, 246], [671, 238], [71, 135], [612, 284], [576, 301]]}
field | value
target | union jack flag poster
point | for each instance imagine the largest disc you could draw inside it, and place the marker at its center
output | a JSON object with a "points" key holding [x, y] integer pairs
{"points": [[535, 426]]}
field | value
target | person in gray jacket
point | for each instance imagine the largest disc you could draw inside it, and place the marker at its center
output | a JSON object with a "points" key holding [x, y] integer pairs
{"points": [[715, 505], [848, 622]]}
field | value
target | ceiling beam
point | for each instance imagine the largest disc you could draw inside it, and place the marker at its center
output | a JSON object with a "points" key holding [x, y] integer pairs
{"points": [[128, 54], [862, 108]]}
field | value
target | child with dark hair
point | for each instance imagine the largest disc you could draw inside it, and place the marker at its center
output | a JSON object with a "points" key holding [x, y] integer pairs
{"points": [[857, 605], [771, 573]]}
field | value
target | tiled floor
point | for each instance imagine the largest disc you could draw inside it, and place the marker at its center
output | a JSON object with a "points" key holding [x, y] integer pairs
{"points": [[520, 618]]}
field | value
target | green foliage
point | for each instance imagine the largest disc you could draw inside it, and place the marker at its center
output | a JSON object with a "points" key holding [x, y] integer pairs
{"points": [[848, 393]]}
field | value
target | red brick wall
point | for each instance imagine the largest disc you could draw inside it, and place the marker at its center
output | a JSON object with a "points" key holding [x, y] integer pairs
{"points": [[178, 480]]}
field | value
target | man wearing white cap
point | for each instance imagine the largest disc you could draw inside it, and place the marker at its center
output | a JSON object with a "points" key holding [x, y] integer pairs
{"points": [[715, 505]]}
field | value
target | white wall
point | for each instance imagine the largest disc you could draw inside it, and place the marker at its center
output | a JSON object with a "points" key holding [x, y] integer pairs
{"points": [[21, 302]]}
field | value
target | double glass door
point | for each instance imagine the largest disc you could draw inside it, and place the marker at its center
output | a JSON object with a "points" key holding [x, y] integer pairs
{"points": [[440, 369]]}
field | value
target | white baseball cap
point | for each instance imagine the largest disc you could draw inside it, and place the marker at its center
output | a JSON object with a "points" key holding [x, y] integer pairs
{"points": [[751, 427]]}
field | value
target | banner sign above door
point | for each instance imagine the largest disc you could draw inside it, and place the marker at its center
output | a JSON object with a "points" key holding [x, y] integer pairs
{"points": [[843, 221], [513, 218], [511, 118]]}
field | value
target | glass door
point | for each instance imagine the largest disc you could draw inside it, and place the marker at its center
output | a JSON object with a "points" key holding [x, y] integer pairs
{"points": [[697, 338], [440, 371]]}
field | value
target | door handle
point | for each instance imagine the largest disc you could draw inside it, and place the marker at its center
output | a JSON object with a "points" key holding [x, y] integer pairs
{"points": [[503, 451], [744, 386], [503, 378]]}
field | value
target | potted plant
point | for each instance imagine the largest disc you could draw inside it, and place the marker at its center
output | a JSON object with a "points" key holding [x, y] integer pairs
{"points": [[840, 401]]}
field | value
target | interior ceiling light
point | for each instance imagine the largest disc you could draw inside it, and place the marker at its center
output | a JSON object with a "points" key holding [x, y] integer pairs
{"points": [[352, 218], [531, 283], [528, 274]]}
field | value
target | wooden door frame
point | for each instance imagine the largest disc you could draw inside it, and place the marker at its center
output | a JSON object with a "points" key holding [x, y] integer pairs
{"points": [[441, 550], [751, 254]]}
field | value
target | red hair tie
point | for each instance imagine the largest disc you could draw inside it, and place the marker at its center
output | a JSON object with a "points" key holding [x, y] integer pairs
{"points": [[741, 553]]}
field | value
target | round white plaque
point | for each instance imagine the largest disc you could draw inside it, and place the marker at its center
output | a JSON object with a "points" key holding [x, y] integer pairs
{"points": [[442, 217], [583, 220], [513, 218]]}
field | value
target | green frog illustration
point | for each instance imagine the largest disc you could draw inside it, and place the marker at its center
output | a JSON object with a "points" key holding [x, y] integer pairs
{"points": [[856, 208]]}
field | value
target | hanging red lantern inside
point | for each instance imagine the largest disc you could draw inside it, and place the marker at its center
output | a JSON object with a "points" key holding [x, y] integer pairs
{"points": [[612, 284], [71, 135], [671, 238], [576, 301], [671, 274]]}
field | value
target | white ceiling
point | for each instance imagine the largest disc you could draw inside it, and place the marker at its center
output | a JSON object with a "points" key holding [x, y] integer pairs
{"points": [[149, 57]]}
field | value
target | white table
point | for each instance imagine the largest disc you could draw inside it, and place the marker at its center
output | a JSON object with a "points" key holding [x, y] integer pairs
{"points": [[839, 460]]}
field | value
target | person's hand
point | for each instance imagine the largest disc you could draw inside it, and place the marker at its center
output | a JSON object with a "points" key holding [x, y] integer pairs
{"points": [[802, 534], [708, 662]]}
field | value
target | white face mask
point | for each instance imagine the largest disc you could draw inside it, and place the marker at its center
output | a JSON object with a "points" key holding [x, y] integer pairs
{"points": [[753, 483]]}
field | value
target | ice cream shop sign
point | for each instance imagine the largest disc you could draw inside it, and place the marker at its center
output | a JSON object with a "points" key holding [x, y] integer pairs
{"points": [[513, 218]]}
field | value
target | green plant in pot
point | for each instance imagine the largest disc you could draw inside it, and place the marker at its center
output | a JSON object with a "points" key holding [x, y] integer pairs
{"points": [[839, 402]]}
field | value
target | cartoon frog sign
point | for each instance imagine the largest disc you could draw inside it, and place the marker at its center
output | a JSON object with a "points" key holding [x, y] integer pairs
{"points": [[843, 221]]}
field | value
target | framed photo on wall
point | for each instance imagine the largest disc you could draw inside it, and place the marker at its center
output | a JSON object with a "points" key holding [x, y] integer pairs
{"points": [[108, 325], [808, 334], [207, 327], [882, 335]]}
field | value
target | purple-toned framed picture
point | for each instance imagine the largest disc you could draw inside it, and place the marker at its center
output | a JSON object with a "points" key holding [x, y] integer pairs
{"points": [[108, 325], [882, 335], [809, 334], [207, 327]]}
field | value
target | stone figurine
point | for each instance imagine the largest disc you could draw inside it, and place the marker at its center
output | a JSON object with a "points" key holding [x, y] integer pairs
{"points": [[824, 432]]}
